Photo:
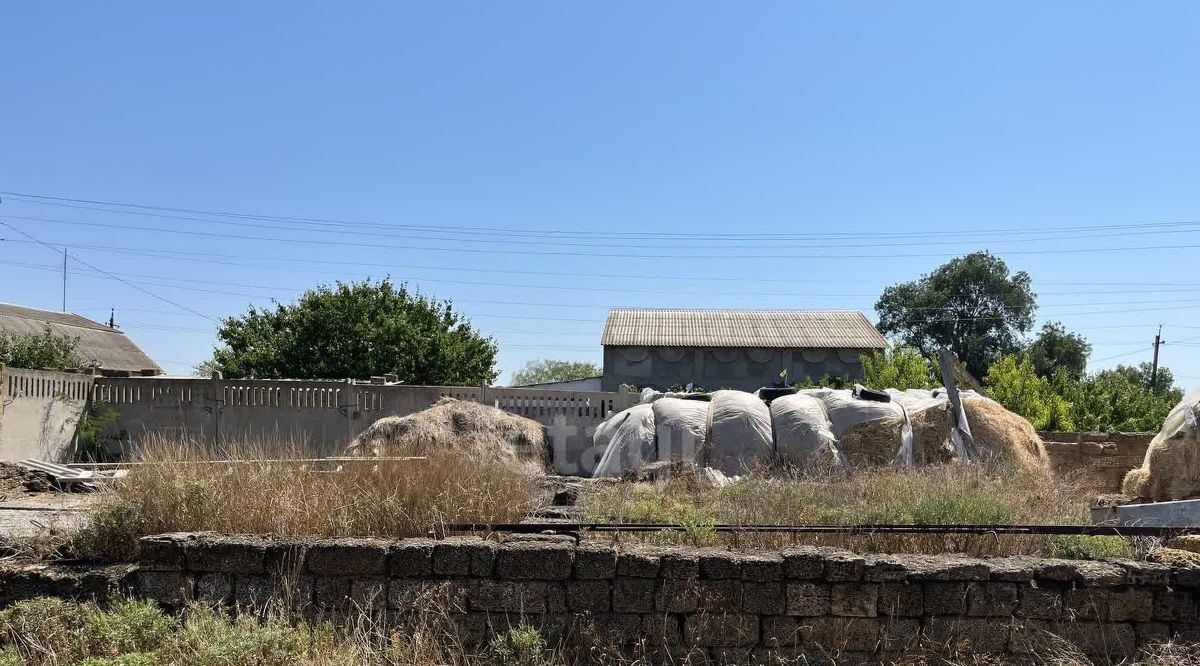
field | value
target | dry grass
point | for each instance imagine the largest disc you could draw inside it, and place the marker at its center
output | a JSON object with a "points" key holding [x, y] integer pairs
{"points": [[272, 490], [947, 494]]}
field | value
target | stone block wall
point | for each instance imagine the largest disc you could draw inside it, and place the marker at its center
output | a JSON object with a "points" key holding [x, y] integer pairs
{"points": [[705, 603], [1098, 459]]}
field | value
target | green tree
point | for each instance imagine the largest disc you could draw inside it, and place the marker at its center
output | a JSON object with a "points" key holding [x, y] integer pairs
{"points": [[971, 305], [545, 370], [898, 367], [357, 330], [40, 350], [1013, 382], [1120, 400], [1056, 349]]}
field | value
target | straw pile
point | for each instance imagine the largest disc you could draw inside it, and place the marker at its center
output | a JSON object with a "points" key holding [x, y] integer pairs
{"points": [[876, 443], [1004, 437], [1171, 470], [473, 429]]}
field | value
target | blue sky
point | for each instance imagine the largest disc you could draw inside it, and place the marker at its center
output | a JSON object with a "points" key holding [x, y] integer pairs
{"points": [[541, 162]]}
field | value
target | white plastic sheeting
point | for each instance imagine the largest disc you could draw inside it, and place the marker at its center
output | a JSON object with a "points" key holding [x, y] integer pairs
{"points": [[801, 429], [628, 438], [739, 432], [681, 427], [736, 429]]}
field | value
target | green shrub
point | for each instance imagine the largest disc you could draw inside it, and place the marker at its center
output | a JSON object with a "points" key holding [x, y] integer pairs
{"points": [[46, 630], [960, 510], [130, 626], [898, 367], [1076, 547], [520, 646]]}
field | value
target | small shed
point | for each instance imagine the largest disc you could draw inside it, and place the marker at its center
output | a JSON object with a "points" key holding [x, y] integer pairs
{"points": [[738, 349], [102, 347]]}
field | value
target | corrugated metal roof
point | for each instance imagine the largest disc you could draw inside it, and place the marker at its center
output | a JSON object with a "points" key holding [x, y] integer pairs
{"points": [[786, 329], [108, 348]]}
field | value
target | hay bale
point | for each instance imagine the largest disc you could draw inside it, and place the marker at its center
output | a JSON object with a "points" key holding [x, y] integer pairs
{"points": [[1171, 468], [1188, 542], [1003, 437], [876, 443], [1135, 482], [871, 443], [1184, 559], [454, 425]]}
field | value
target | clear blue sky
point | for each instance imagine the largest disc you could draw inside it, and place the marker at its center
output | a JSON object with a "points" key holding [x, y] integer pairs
{"points": [[632, 132]]}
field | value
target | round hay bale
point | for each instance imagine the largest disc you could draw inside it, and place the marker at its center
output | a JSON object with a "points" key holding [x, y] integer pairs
{"points": [[1184, 559], [454, 425], [876, 443], [1004, 437], [872, 443]]}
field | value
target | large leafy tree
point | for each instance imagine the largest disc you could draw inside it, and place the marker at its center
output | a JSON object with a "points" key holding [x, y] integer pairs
{"points": [[544, 370], [971, 305], [40, 350], [1058, 350], [357, 330]]}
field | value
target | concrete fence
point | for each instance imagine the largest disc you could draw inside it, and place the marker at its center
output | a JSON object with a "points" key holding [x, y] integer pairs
{"points": [[326, 415], [39, 412]]}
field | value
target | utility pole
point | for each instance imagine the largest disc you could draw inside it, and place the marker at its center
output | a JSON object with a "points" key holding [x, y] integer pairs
{"points": [[1158, 341], [64, 278]]}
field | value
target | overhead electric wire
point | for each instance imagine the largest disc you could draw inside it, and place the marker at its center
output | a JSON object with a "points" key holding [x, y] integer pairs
{"points": [[255, 261], [114, 277], [32, 198], [597, 255], [156, 281]]}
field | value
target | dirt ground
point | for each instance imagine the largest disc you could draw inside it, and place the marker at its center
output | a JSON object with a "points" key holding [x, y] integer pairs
{"points": [[30, 506]]}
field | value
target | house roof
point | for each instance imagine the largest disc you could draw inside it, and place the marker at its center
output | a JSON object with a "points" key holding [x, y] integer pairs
{"points": [[99, 345], [780, 329]]}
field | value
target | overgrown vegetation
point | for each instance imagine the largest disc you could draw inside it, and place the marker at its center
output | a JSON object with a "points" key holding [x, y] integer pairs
{"points": [[1115, 400], [942, 495], [40, 350], [277, 490], [52, 632]]}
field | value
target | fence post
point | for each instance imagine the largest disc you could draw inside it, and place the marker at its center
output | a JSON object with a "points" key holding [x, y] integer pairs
{"points": [[3, 398], [218, 402], [351, 404]]}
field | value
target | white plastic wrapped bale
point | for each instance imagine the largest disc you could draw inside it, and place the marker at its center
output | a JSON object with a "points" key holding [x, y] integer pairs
{"points": [[681, 427], [1171, 469], [802, 431], [628, 440], [845, 411], [739, 433]]}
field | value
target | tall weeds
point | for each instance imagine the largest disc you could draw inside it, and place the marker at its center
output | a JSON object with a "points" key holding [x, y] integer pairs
{"points": [[938, 495], [274, 489]]}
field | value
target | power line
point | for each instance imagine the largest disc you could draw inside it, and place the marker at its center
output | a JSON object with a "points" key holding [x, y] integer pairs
{"points": [[223, 259], [597, 255], [573, 231], [110, 275], [190, 281]]}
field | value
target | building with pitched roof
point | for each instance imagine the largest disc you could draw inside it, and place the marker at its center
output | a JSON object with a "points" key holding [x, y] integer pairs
{"points": [[101, 347], [738, 349]]}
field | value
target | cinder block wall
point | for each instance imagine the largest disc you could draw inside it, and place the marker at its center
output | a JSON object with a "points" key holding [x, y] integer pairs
{"points": [[739, 608], [1098, 459]]}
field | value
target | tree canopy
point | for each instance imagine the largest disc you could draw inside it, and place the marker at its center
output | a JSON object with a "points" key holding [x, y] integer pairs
{"points": [[1058, 350], [971, 305], [544, 370], [356, 330], [39, 350]]}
